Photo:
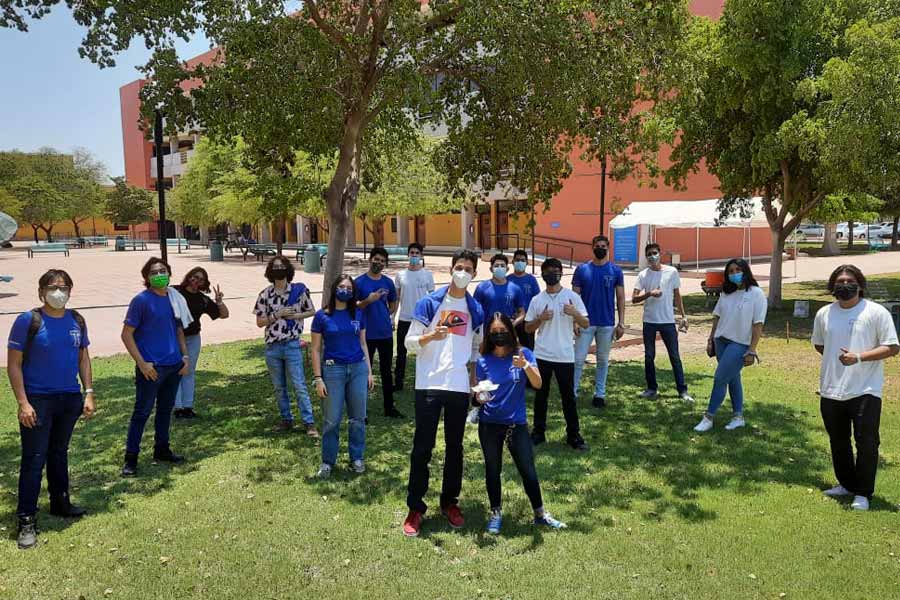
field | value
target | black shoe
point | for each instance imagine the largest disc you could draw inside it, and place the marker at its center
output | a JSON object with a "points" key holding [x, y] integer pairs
{"points": [[63, 507], [398, 387], [130, 467], [178, 413], [188, 413], [165, 454], [393, 413], [537, 438], [599, 402], [27, 535], [577, 443]]}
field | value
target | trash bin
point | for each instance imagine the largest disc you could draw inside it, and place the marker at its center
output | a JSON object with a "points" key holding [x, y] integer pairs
{"points": [[311, 260], [120, 243], [216, 251]]}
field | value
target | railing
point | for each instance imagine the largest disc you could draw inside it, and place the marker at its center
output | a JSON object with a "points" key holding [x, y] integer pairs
{"points": [[503, 235], [547, 246]]}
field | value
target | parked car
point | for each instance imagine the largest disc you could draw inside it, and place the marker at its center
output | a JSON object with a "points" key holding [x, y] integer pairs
{"points": [[859, 231], [811, 230]]}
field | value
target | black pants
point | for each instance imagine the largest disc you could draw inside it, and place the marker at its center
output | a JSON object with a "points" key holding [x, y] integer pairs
{"points": [[669, 334], [864, 415], [526, 339], [385, 349], [400, 368], [565, 379], [492, 436], [47, 443], [429, 404]]}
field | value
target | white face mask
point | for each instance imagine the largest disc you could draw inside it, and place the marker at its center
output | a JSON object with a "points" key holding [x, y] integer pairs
{"points": [[461, 279], [57, 299]]}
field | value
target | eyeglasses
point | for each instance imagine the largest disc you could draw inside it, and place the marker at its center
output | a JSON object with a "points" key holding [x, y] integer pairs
{"points": [[58, 288]]}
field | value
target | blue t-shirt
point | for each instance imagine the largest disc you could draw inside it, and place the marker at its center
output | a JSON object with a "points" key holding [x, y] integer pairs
{"points": [[503, 298], [528, 283], [378, 315], [155, 328], [508, 405], [50, 365], [340, 335], [598, 290]]}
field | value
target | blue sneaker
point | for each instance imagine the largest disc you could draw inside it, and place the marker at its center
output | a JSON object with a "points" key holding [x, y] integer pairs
{"points": [[494, 523], [548, 521]]}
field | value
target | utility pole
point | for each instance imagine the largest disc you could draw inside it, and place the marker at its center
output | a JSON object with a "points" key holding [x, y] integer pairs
{"points": [[160, 190]]}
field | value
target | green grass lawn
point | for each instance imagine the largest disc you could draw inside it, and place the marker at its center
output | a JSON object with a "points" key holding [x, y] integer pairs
{"points": [[654, 510]]}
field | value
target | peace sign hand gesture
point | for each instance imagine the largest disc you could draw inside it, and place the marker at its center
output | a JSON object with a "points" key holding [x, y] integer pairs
{"points": [[519, 360], [218, 295]]}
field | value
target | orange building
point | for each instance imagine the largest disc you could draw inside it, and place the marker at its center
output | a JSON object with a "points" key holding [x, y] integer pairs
{"points": [[564, 230]]}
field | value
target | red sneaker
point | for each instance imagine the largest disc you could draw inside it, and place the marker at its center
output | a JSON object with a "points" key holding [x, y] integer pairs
{"points": [[412, 524], [454, 516]]}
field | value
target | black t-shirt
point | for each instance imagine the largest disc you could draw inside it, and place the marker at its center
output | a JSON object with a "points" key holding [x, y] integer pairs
{"points": [[199, 304]]}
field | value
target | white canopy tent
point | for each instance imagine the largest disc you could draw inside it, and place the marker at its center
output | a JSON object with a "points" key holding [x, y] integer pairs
{"points": [[691, 214]]}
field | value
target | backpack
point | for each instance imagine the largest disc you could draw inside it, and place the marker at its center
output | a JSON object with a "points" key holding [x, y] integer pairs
{"points": [[37, 319]]}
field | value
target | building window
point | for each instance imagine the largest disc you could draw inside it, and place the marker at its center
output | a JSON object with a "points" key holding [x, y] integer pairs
{"points": [[393, 224]]}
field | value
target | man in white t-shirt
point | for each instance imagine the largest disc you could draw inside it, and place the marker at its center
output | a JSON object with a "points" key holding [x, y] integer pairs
{"points": [[445, 335], [854, 337], [412, 285], [553, 314], [657, 287]]}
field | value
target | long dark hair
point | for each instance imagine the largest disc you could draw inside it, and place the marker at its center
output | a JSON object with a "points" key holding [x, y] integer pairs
{"points": [[351, 303], [854, 272], [746, 283], [191, 273], [487, 346]]}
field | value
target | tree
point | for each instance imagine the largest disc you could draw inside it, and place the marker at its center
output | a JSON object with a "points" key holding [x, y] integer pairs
{"points": [[79, 183], [519, 86], [743, 106], [836, 208], [127, 204], [40, 204]]}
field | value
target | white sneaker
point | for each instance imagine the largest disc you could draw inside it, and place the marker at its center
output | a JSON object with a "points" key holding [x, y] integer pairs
{"points": [[687, 397], [648, 395], [324, 471], [472, 418], [860, 503], [735, 423], [837, 491], [358, 466], [705, 425]]}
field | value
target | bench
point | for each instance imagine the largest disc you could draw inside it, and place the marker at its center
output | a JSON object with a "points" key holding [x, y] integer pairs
{"points": [[69, 242], [260, 251], [96, 240], [47, 248], [133, 244], [198, 243], [6, 278], [396, 252]]}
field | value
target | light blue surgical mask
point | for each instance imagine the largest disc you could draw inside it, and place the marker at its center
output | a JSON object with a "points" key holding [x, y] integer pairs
{"points": [[736, 278], [520, 266], [499, 272], [415, 261]]}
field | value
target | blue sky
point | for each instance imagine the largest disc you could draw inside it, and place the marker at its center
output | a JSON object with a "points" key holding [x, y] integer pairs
{"points": [[52, 97]]}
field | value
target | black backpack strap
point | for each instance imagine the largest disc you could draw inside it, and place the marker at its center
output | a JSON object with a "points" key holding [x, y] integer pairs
{"points": [[37, 320]]}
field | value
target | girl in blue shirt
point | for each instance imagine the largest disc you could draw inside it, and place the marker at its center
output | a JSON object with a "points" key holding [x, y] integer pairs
{"points": [[342, 373], [502, 417], [48, 352]]}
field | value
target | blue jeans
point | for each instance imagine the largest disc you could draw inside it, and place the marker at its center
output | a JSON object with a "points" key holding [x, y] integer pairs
{"points": [[669, 335], [603, 338], [147, 393], [285, 360], [345, 384], [47, 443], [185, 396], [728, 376]]}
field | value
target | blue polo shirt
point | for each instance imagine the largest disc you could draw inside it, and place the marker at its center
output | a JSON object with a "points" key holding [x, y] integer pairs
{"points": [[50, 365], [598, 290], [529, 285], [340, 335], [508, 405], [155, 328], [377, 314], [504, 298]]}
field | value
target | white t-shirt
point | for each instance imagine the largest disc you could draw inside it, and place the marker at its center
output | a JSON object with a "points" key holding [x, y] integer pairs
{"points": [[659, 310], [554, 341], [859, 329], [412, 286], [738, 312], [443, 364]]}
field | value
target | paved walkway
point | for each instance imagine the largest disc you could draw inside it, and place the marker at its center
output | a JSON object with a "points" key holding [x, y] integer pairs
{"points": [[105, 281]]}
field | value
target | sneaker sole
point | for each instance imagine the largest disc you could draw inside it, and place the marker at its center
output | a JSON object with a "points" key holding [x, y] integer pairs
{"points": [[452, 526], [410, 534]]}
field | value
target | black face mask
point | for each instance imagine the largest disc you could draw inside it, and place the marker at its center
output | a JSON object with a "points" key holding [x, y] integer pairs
{"points": [[377, 267], [501, 339], [279, 274], [551, 278], [600, 253], [846, 291]]}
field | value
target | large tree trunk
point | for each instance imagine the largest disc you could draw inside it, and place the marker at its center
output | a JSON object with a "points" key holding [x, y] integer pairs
{"points": [[849, 235], [77, 230], [775, 269], [279, 244], [35, 228], [894, 233], [830, 246], [48, 230]]}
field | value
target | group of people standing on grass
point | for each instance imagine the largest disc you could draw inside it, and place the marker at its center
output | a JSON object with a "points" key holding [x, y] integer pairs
{"points": [[479, 351]]}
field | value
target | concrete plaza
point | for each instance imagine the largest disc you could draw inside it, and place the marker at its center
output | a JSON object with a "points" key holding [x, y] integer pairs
{"points": [[105, 281]]}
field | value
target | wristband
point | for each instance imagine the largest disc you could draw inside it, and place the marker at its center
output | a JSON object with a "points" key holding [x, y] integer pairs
{"points": [[89, 391], [317, 377], [858, 358]]}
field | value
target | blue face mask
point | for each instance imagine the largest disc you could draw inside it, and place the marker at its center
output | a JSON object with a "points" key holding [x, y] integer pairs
{"points": [[415, 261], [499, 272], [520, 266], [343, 295], [736, 278]]}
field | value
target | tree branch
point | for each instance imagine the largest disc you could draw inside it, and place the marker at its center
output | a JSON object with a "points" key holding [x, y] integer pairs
{"points": [[445, 19], [332, 33]]}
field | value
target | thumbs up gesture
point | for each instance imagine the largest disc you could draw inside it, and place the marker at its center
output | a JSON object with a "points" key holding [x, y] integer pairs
{"points": [[519, 360], [570, 309], [848, 358]]}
